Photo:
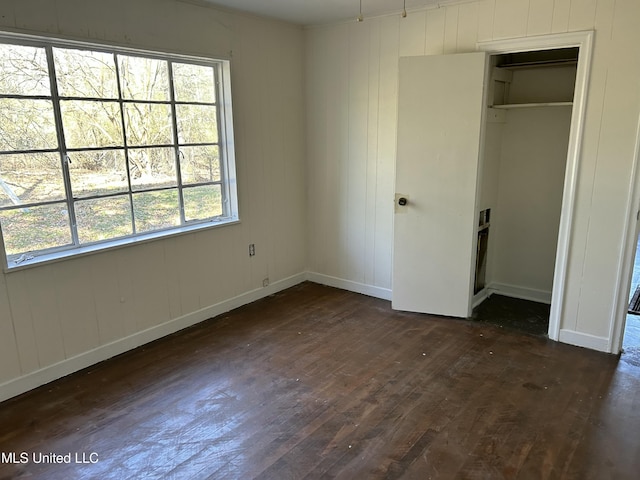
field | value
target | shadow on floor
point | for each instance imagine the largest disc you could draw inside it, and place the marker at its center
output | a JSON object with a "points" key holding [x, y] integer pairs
{"points": [[514, 313]]}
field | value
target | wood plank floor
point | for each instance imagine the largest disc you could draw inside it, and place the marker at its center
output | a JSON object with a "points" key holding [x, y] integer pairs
{"points": [[316, 382]]}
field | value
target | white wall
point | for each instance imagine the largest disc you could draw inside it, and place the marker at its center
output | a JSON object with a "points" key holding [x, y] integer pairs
{"points": [[526, 216], [351, 99], [543, 84], [62, 316]]}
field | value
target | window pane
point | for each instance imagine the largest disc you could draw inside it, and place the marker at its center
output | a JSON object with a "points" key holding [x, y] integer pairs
{"points": [[35, 228], [82, 73], [202, 202], [194, 83], [98, 172], [23, 70], [27, 124], [91, 124], [197, 124], [156, 210], [199, 164], [148, 124], [103, 218], [30, 178], [143, 78], [152, 168]]}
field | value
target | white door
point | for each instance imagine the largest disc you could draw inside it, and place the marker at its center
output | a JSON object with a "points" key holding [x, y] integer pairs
{"points": [[439, 132]]}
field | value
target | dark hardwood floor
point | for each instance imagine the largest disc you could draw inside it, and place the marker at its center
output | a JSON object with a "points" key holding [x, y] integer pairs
{"points": [[514, 313], [316, 382]]}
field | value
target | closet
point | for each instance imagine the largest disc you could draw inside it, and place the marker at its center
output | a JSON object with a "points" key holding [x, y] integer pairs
{"points": [[528, 120]]}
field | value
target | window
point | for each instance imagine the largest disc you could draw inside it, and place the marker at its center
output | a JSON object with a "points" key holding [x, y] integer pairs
{"points": [[105, 147]]}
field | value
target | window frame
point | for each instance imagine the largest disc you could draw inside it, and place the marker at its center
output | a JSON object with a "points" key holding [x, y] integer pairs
{"points": [[224, 144]]}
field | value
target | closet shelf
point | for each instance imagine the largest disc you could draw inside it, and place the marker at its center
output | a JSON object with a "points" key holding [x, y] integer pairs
{"points": [[508, 106]]}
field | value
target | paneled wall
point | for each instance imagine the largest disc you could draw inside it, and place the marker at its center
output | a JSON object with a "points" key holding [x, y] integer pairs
{"points": [[351, 81], [57, 312]]}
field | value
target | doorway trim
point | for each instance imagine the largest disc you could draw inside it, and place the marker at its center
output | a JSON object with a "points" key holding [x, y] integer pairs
{"points": [[584, 41], [618, 319]]}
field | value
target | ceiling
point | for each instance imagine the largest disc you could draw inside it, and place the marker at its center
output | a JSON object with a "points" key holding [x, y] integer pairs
{"points": [[314, 12]]}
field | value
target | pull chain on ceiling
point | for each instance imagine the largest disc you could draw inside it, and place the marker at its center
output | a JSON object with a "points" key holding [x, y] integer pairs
{"points": [[403, 14]]}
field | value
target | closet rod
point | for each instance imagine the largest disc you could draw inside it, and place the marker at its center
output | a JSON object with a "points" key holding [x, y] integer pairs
{"points": [[540, 63]]}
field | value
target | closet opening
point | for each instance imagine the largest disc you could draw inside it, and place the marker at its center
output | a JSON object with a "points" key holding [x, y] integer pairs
{"points": [[527, 132]]}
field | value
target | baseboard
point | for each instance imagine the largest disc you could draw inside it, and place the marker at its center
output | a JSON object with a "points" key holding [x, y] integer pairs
{"points": [[584, 340], [479, 297], [370, 290], [47, 374], [523, 293]]}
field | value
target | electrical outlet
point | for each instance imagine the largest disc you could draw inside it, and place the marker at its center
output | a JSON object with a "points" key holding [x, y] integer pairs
{"points": [[252, 249], [265, 282]]}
